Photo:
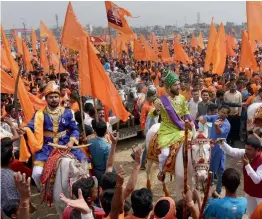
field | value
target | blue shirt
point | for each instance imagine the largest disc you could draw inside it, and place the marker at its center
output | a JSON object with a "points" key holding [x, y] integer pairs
{"points": [[107, 66], [99, 150], [217, 161], [226, 208]]}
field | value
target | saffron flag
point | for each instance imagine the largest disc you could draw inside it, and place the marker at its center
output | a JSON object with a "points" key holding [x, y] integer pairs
{"points": [[102, 87], [230, 51], [34, 42], [165, 55], [139, 51], [56, 63], [200, 41], [27, 58], [210, 46], [43, 57], [180, 54], [247, 58], [7, 83], [193, 42], [219, 52], [116, 18], [73, 32], [151, 53], [4, 60], [254, 20], [154, 43], [44, 31], [24, 100], [19, 44], [232, 42]]}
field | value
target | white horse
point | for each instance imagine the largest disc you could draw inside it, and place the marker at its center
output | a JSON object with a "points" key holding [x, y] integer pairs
{"points": [[198, 162], [68, 171]]}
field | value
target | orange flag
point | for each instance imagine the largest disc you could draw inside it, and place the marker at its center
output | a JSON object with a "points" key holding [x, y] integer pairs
{"points": [[180, 54], [34, 42], [43, 57], [193, 42], [254, 20], [230, 51], [44, 31], [73, 32], [24, 100], [154, 43], [4, 60], [151, 53], [232, 42], [165, 55], [116, 18], [253, 45], [247, 58], [54, 60], [105, 90], [27, 58], [19, 44], [210, 46], [200, 41], [139, 51], [220, 51], [7, 83]]}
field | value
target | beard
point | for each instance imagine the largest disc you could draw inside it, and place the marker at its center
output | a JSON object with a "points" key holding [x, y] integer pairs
{"points": [[174, 92], [53, 104]]}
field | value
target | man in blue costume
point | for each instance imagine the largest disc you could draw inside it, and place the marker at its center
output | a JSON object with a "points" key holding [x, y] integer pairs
{"points": [[53, 124]]}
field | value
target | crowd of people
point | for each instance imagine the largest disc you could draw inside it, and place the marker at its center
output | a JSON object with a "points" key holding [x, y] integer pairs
{"points": [[173, 92]]}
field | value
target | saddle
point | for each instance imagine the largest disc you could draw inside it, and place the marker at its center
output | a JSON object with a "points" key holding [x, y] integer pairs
{"points": [[49, 174], [154, 151], [258, 117]]}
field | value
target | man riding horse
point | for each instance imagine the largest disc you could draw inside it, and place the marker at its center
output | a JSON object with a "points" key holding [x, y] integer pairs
{"points": [[173, 109], [53, 124]]}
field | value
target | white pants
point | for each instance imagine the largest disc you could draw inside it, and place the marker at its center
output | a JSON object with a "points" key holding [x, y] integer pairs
{"points": [[36, 175], [163, 157], [252, 203]]}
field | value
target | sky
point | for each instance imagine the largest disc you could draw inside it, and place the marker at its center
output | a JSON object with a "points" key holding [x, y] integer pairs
{"points": [[13, 14]]}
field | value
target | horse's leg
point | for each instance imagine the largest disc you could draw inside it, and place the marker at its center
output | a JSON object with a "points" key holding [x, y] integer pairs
{"points": [[148, 174], [61, 185], [165, 189]]}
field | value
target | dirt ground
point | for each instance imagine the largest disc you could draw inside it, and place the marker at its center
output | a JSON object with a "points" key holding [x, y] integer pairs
{"points": [[123, 157]]}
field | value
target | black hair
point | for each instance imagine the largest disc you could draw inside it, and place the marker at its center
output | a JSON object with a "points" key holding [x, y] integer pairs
{"points": [[6, 151], [86, 185], [74, 95], [100, 128], [88, 107], [106, 199], [31, 88], [225, 107], [108, 181], [260, 90], [78, 117], [10, 208], [89, 130], [231, 179], [92, 112], [179, 209], [220, 93], [204, 91], [9, 107], [141, 201], [75, 214], [127, 206], [161, 208], [254, 142], [52, 77], [212, 107]]}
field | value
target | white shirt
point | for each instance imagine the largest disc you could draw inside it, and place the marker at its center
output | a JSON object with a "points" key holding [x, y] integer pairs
{"points": [[256, 176], [234, 98], [192, 106]]}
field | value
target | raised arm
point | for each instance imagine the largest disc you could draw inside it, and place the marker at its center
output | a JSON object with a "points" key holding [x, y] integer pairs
{"points": [[131, 184], [234, 152], [111, 157]]}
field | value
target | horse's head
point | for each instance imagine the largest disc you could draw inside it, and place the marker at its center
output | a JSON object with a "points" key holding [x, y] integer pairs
{"points": [[78, 170], [132, 93], [200, 146], [254, 114]]}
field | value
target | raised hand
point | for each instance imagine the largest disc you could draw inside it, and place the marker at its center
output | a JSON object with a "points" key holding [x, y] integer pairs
{"points": [[23, 185], [79, 204]]}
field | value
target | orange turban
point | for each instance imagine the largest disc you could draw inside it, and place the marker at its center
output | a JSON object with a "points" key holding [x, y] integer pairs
{"points": [[257, 214]]}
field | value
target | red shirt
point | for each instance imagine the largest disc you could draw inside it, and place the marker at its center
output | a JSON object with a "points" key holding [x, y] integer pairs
{"points": [[144, 112], [17, 166]]}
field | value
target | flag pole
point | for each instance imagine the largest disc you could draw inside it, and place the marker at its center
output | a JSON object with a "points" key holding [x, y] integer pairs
{"points": [[91, 81]]}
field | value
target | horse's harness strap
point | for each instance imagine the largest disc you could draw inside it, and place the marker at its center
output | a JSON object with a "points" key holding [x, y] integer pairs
{"points": [[50, 134]]}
